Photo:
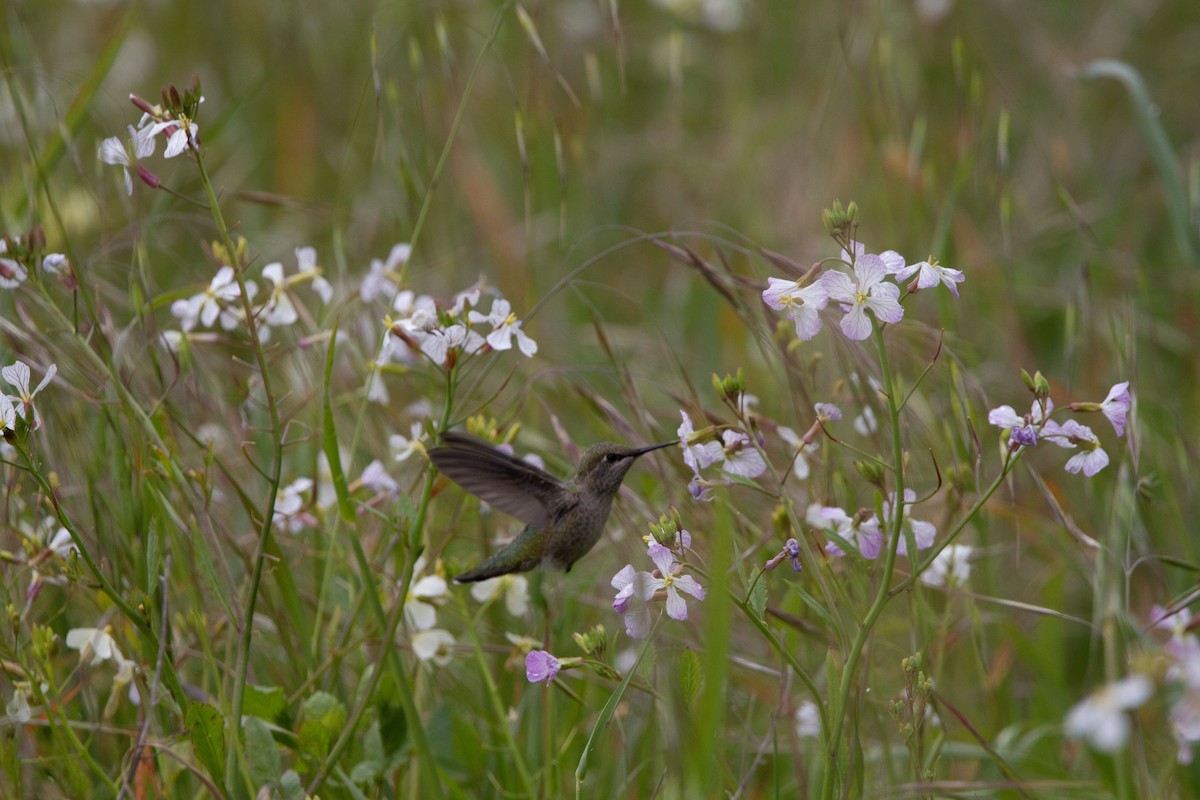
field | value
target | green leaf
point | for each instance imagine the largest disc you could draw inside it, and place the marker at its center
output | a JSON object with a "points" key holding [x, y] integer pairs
{"points": [[324, 718], [689, 675], [262, 753], [206, 731], [264, 702], [611, 706], [758, 599], [329, 441], [290, 786]]}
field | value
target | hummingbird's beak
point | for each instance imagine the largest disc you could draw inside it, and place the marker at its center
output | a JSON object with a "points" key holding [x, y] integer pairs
{"points": [[644, 450]]}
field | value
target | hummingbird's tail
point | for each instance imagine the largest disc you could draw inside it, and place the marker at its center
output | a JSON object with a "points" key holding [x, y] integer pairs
{"points": [[520, 555]]}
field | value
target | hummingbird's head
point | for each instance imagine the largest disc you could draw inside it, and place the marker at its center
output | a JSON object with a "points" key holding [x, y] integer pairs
{"points": [[603, 466]]}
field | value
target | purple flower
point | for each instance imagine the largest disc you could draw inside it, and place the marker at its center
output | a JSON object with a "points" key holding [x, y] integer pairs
{"points": [[828, 412], [791, 549], [867, 289], [802, 303], [858, 531], [1023, 430], [923, 532], [1116, 406], [1071, 434], [541, 666]]}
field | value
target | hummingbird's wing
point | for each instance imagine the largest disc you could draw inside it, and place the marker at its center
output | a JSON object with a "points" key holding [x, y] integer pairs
{"points": [[514, 486]]}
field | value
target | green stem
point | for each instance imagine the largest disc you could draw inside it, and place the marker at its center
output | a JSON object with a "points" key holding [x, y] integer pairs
{"points": [[493, 693], [234, 750], [841, 702], [389, 624], [106, 586]]}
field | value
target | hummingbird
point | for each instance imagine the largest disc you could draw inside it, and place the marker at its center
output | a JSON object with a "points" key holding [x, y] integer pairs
{"points": [[563, 518]]}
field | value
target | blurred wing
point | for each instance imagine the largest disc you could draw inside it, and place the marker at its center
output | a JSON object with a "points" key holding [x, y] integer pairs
{"points": [[517, 488]]}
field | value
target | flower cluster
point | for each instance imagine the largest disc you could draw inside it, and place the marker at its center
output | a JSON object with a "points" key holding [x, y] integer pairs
{"points": [[221, 301], [175, 119], [635, 589], [864, 531], [420, 324], [866, 287], [1029, 429], [733, 450], [1183, 676]]}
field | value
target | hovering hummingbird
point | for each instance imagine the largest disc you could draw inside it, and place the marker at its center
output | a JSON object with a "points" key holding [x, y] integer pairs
{"points": [[563, 519]]}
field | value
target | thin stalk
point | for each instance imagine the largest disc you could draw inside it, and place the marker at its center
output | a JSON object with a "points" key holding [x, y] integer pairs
{"points": [[493, 693], [842, 699], [234, 750]]}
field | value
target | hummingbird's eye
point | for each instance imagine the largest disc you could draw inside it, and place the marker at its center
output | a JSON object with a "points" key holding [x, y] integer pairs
{"points": [[612, 458]]}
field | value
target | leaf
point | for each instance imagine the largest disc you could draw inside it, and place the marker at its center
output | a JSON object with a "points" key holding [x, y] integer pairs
{"points": [[290, 787], [262, 753], [689, 675], [264, 702], [758, 599], [206, 731], [324, 718]]}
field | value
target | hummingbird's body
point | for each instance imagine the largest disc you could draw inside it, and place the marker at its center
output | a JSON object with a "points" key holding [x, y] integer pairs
{"points": [[563, 519]]}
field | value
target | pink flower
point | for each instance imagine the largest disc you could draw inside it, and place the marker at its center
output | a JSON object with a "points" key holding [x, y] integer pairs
{"points": [[541, 666]]}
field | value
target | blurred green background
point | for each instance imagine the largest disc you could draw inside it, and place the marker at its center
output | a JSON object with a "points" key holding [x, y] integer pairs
{"points": [[962, 130]]}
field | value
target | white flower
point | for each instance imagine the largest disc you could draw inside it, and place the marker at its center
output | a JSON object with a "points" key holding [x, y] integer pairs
{"points": [[381, 279], [278, 310], [931, 273], [1100, 719], [505, 327], [515, 589], [741, 456], [437, 344], [56, 264], [865, 423], [113, 151], [867, 289], [17, 375], [697, 455], [424, 596], [1069, 434], [97, 644], [951, 567], [633, 590], [375, 477], [802, 303], [403, 447], [181, 136], [12, 273], [289, 505], [206, 306], [673, 582], [8, 414], [433, 645]]}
